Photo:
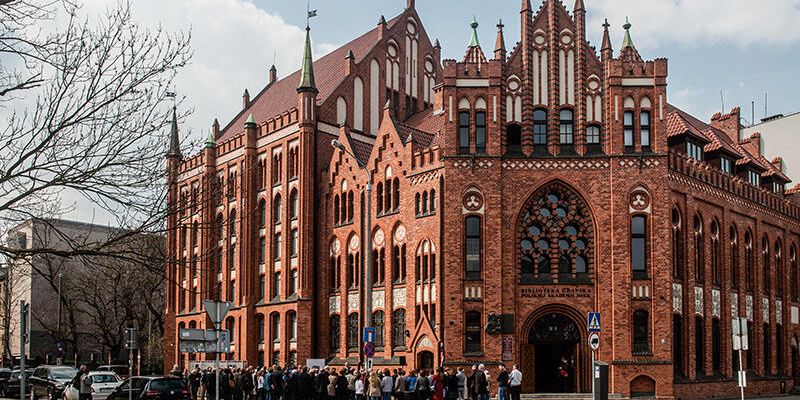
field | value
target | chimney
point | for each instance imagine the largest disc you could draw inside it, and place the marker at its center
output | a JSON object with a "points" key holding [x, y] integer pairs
{"points": [[349, 63], [777, 162], [728, 123], [273, 74], [245, 99], [753, 144], [381, 27]]}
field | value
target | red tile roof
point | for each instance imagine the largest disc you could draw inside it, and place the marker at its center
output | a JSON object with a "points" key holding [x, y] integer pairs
{"points": [[424, 128], [281, 96]]}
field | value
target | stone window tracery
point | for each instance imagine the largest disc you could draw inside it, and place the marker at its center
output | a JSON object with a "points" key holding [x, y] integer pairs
{"points": [[555, 231]]}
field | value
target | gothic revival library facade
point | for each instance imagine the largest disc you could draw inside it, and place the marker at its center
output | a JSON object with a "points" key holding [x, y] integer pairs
{"points": [[511, 193]]}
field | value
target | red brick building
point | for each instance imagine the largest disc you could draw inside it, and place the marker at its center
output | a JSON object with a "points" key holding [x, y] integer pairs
{"points": [[511, 194]]}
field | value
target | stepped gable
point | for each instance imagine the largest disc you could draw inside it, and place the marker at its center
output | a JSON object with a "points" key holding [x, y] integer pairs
{"points": [[281, 95]]}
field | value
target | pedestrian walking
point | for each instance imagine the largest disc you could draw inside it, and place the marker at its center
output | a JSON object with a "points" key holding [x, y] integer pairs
{"points": [[515, 382], [423, 386], [374, 386], [387, 385], [359, 385], [194, 383], [462, 384], [437, 384], [400, 385], [502, 383], [85, 391]]}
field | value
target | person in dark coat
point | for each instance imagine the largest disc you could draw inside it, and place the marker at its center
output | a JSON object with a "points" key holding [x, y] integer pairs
{"points": [[341, 385], [321, 384], [277, 384]]}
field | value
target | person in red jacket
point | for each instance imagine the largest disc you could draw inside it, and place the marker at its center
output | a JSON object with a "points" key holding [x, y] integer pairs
{"points": [[437, 384]]}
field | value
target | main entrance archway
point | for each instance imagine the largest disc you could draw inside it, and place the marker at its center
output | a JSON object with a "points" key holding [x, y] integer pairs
{"points": [[554, 359]]}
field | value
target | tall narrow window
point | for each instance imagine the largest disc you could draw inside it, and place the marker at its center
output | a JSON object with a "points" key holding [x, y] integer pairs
{"points": [[350, 206], [644, 130], [472, 256], [593, 142], [734, 257], [276, 285], [765, 266], [292, 317], [513, 139], [262, 214], [352, 332], [767, 350], [566, 129], [716, 254], [677, 245], [463, 132], [641, 332], [779, 269], [379, 198], [294, 204], [277, 244], [480, 132], [262, 250], [275, 324], [277, 210], [639, 246], [749, 264], [677, 345], [232, 224], [699, 346], [334, 333], [699, 251], [793, 272], [540, 131], [295, 244], [716, 347], [395, 194], [377, 322], [627, 122], [472, 332], [399, 328]]}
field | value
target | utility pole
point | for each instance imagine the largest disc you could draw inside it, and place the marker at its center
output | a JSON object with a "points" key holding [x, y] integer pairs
{"points": [[58, 323], [24, 309]]}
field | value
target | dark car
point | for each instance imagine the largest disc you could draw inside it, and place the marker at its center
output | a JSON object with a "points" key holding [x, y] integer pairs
{"points": [[49, 380], [9, 382], [152, 388]]}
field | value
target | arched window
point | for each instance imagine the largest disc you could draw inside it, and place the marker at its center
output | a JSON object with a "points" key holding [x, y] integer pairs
{"points": [[262, 214], [628, 131], [639, 246], [291, 316], [463, 132], [352, 332], [232, 224], [276, 285], [699, 346], [472, 332], [275, 325], [230, 323], [343, 218], [378, 266], [334, 333], [426, 261], [779, 268], [765, 266], [641, 332], [432, 198], [424, 202], [350, 206], [555, 227], [220, 227], [294, 247], [472, 253], [716, 254], [277, 210], [793, 273], [379, 198], [335, 272], [749, 262], [336, 217], [399, 328], [277, 246], [514, 139], [399, 263], [677, 345], [677, 245], [480, 132], [418, 207], [396, 194], [644, 130], [716, 347], [566, 123], [699, 251], [734, 256], [540, 132], [377, 322], [294, 204]]}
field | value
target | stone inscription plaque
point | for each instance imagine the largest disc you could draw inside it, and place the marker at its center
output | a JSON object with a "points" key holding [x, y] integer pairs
{"points": [[554, 292]]}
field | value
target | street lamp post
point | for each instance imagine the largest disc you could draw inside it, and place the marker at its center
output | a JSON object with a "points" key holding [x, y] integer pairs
{"points": [[58, 323], [366, 287]]}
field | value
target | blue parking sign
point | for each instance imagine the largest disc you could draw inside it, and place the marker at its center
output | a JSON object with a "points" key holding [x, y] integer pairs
{"points": [[593, 322], [369, 335]]}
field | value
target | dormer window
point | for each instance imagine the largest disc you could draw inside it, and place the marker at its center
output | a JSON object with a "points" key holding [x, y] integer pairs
{"points": [[753, 178], [693, 150], [726, 165], [777, 187]]}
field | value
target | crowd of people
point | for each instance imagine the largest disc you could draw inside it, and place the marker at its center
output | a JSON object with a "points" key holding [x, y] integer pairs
{"points": [[347, 383]]}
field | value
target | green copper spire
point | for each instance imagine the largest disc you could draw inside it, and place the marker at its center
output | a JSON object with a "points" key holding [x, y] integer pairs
{"points": [[627, 41], [211, 142], [307, 70], [473, 42]]}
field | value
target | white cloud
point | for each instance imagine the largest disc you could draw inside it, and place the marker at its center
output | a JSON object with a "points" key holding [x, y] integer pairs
{"points": [[234, 43], [699, 22]]}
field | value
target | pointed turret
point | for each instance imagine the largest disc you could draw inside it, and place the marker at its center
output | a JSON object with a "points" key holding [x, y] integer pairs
{"points": [[245, 99], [307, 82], [273, 74], [628, 51], [579, 6], [211, 142], [606, 51], [474, 52], [500, 43], [436, 44], [174, 142], [215, 128], [526, 5]]}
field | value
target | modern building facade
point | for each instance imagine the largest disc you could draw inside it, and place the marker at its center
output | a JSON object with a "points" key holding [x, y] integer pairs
{"points": [[511, 195]]}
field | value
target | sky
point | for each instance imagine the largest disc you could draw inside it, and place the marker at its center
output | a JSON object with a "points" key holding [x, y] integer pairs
{"points": [[739, 50], [733, 52]]}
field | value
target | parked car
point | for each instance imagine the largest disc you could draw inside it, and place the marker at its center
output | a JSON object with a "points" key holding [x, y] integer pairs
{"points": [[121, 370], [103, 383], [9, 387], [152, 388], [49, 380]]}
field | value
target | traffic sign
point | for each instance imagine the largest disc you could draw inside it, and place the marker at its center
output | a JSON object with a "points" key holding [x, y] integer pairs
{"points": [[369, 349], [216, 310], [369, 334], [594, 322], [594, 341]]}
